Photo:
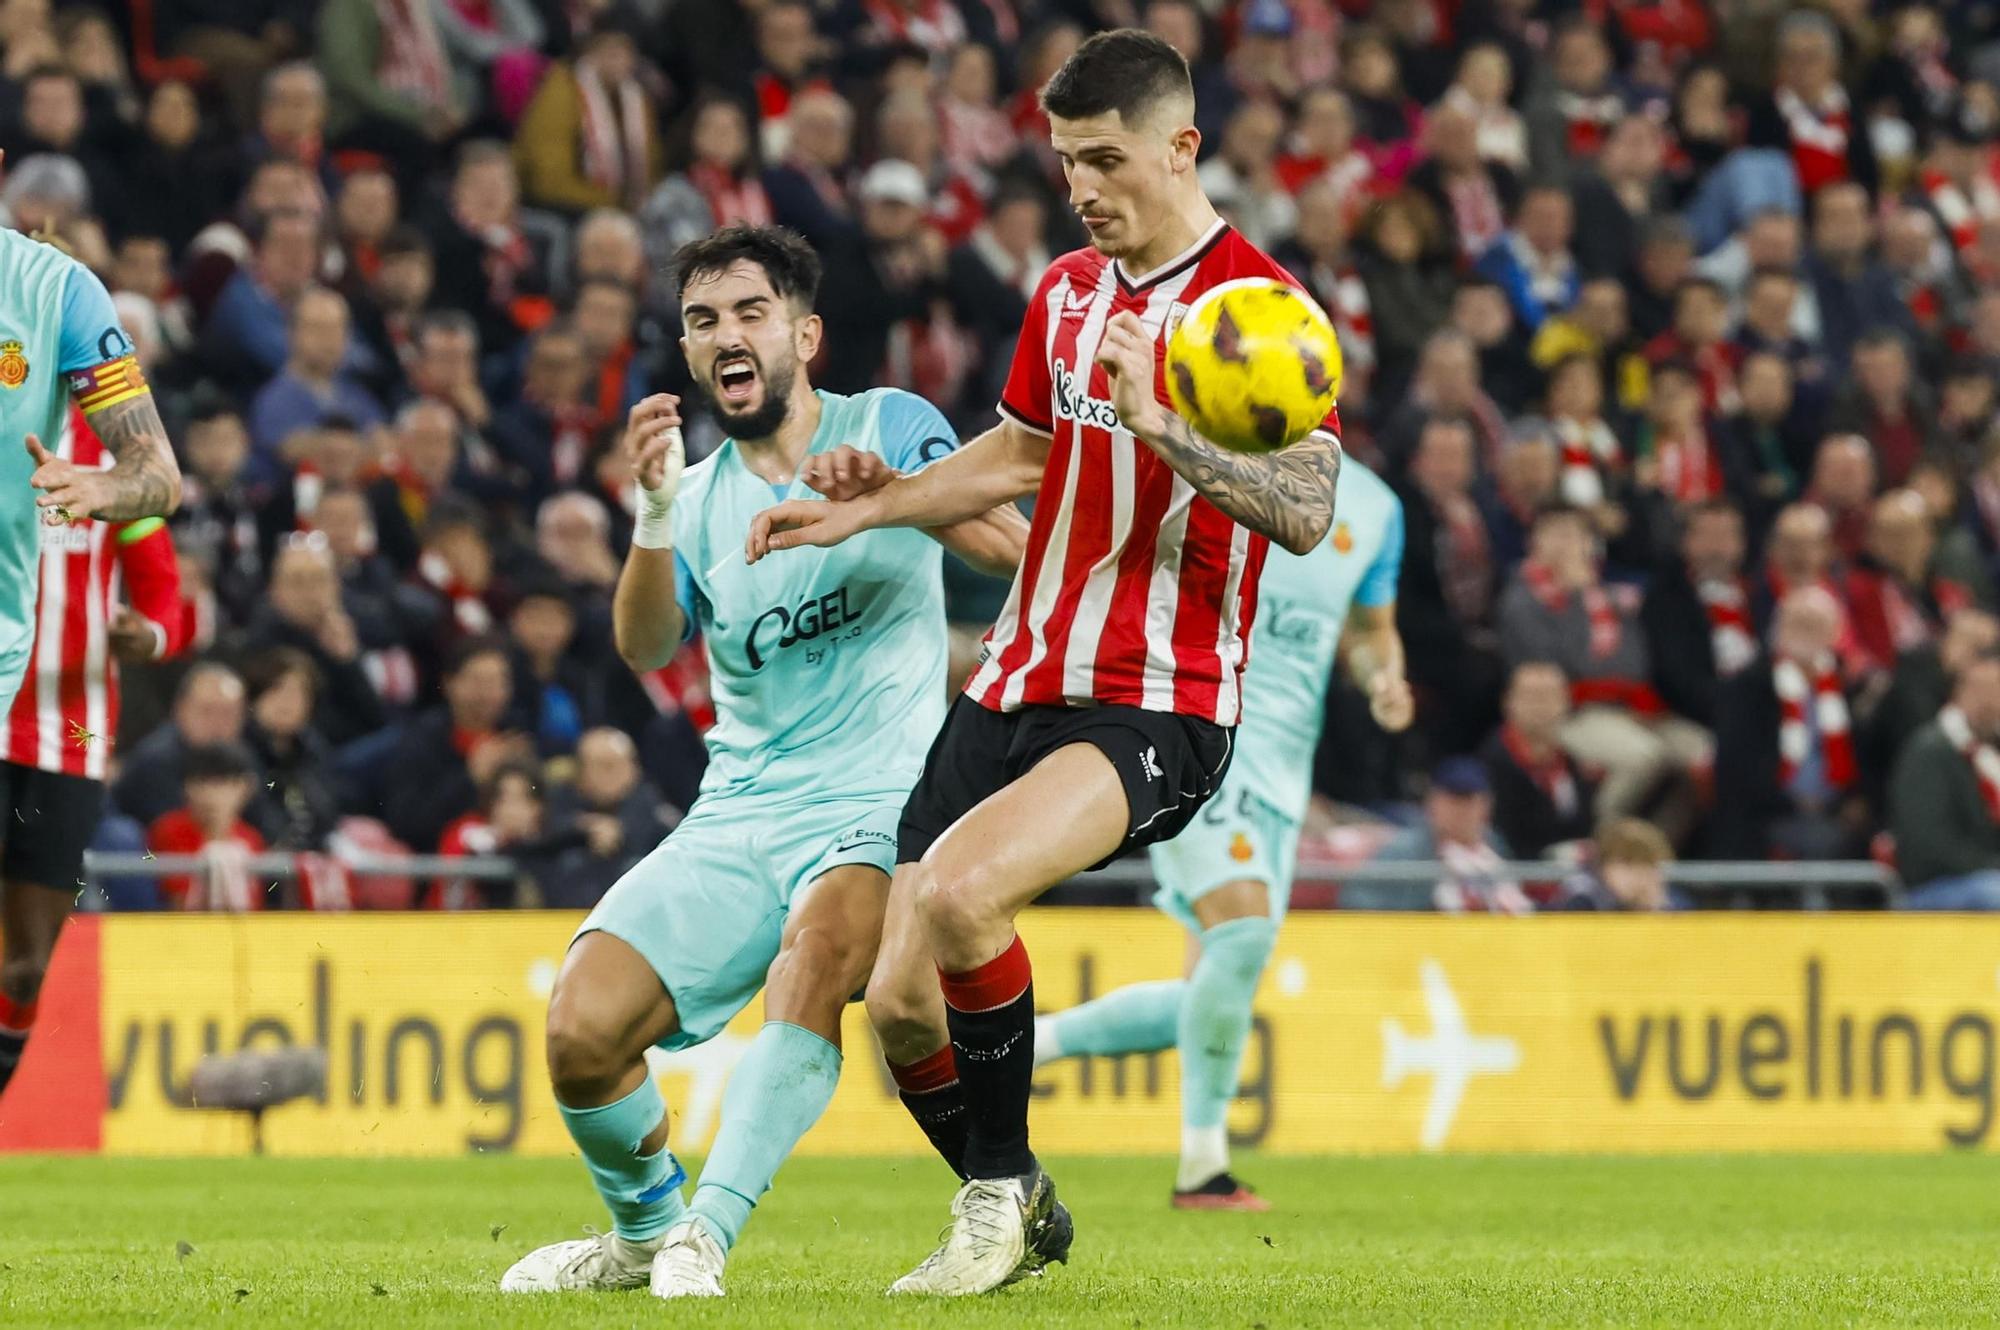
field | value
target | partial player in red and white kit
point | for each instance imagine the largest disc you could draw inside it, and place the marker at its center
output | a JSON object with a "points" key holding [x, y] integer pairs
{"points": [[1102, 714], [59, 731]]}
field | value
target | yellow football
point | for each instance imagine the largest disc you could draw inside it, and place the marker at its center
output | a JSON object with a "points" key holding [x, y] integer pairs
{"points": [[1254, 365]]}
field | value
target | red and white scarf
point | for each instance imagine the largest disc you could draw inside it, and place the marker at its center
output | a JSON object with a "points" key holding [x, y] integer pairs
{"points": [[1818, 134], [412, 61], [1588, 119], [730, 200], [1605, 628], [934, 25], [468, 607], [1551, 776], [1688, 469], [1963, 211], [1476, 212], [617, 143], [1984, 757], [1588, 448], [1732, 638], [1821, 690]]}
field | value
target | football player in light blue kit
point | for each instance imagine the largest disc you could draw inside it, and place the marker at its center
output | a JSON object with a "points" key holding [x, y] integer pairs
{"points": [[1228, 877], [828, 676]]}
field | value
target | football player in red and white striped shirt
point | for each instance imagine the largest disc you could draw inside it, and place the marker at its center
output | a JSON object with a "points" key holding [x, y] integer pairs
{"points": [[58, 733], [1103, 712]]}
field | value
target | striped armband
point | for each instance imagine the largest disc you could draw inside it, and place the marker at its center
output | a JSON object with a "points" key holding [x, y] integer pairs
{"points": [[107, 385]]}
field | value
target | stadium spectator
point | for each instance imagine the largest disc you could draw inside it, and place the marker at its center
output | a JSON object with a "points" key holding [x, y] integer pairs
{"points": [[1666, 259], [299, 808], [1404, 265], [1676, 461], [1530, 472], [1808, 113], [1241, 177], [1627, 872], [312, 386], [1456, 832], [391, 89], [492, 257], [590, 137], [511, 819], [1481, 310], [1698, 613], [1763, 451], [1444, 600], [1323, 151], [51, 121], [445, 367], [1945, 799], [1956, 558], [1852, 291], [1573, 113], [218, 783], [388, 306], [1843, 486], [1446, 384], [617, 811], [553, 688], [176, 169], [1483, 90], [366, 209], [1596, 329], [808, 185], [1476, 197], [1788, 783], [218, 526], [1558, 609], [550, 431], [291, 120], [1918, 688], [303, 611], [1388, 120], [247, 339], [1882, 403], [1532, 261], [1542, 799], [1698, 336], [450, 752], [1616, 194], [1895, 599], [714, 183]]}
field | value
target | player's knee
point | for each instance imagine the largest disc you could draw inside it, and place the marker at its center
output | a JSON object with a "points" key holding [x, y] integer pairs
{"points": [[819, 962], [585, 1055], [21, 978], [904, 1018], [955, 899]]}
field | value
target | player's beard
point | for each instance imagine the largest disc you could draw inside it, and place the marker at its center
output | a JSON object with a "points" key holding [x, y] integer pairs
{"points": [[760, 421]]}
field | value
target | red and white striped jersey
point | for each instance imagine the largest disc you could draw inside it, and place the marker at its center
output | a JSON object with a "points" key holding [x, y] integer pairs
{"points": [[1134, 590], [66, 713]]}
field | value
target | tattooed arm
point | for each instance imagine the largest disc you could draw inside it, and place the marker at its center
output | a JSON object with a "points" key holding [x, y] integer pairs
{"points": [[145, 482], [1286, 495]]}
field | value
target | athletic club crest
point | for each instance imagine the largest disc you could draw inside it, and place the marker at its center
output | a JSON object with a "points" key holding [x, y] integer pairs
{"points": [[13, 365], [1175, 313]]}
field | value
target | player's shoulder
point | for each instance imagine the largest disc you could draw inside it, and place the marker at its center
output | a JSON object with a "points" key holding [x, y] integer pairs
{"points": [[903, 427], [1082, 267], [1234, 259]]}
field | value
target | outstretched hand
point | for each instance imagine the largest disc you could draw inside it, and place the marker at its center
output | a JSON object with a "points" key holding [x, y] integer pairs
{"points": [[798, 523], [846, 472]]}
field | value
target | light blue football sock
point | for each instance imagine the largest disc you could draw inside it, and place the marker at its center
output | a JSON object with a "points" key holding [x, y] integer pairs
{"points": [[1138, 1018], [1215, 1015], [776, 1093], [641, 1191]]}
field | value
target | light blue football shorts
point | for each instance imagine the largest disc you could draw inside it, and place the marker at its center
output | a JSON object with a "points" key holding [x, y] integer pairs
{"points": [[708, 906], [1238, 836]]}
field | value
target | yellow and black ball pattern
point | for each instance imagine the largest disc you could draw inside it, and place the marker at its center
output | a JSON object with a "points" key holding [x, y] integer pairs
{"points": [[1254, 365]]}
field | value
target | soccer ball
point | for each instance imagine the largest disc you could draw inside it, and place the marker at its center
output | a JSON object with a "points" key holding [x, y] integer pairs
{"points": [[1254, 365]]}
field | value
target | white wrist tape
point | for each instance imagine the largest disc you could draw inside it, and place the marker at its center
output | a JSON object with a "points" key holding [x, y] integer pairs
{"points": [[653, 524]]}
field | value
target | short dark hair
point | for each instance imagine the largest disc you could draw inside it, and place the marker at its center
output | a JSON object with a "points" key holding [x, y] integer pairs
{"points": [[213, 762], [1557, 510], [1715, 507], [468, 649], [1124, 70], [787, 260], [272, 667]]}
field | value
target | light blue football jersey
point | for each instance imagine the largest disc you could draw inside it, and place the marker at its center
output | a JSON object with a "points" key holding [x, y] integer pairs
{"points": [[57, 328], [1302, 603], [827, 666]]}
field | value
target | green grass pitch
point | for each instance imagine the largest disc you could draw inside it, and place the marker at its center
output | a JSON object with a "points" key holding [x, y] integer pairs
{"points": [[398, 1245]]}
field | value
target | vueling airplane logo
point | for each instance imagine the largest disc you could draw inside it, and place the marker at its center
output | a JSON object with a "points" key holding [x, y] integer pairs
{"points": [[1451, 1055]]}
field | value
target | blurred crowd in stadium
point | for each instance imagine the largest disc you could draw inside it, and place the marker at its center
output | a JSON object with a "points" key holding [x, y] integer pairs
{"points": [[1676, 324]]}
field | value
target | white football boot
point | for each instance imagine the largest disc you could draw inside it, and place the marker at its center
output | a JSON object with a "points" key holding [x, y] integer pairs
{"points": [[605, 1261], [689, 1265], [989, 1241]]}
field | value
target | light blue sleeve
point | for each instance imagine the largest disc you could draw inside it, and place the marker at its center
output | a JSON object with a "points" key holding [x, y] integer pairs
{"points": [[685, 595], [913, 432], [1378, 584], [91, 334]]}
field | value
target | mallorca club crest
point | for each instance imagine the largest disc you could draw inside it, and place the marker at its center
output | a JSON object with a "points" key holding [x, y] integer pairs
{"points": [[1343, 537], [13, 364], [1241, 850]]}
